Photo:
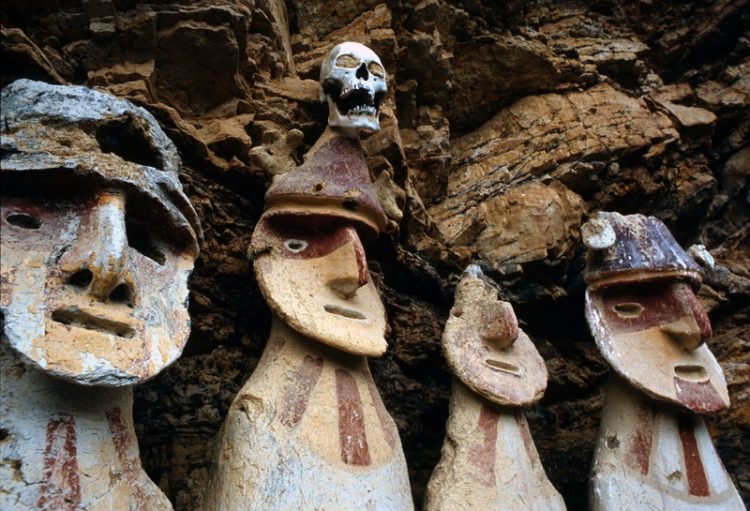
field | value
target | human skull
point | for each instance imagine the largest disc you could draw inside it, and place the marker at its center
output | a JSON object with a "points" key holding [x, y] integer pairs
{"points": [[352, 81]]}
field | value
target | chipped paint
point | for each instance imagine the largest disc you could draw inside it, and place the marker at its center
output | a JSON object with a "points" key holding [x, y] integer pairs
{"points": [[669, 461], [89, 305]]}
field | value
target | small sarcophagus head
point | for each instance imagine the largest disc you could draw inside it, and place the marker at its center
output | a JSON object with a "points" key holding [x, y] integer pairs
{"points": [[486, 350], [642, 310], [98, 236], [353, 83], [308, 249]]}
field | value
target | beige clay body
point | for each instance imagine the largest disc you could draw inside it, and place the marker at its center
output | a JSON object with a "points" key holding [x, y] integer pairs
{"points": [[97, 245], [489, 460], [69, 447], [309, 431], [654, 451]]}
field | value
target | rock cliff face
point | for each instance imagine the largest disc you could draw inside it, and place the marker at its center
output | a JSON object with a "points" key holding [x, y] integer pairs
{"points": [[505, 126]]}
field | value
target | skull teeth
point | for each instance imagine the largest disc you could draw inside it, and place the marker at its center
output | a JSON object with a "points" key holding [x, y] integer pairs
{"points": [[362, 109], [356, 101], [348, 90]]}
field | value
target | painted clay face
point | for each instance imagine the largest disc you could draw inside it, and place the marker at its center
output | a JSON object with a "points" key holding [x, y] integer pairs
{"points": [[644, 315], [486, 350], [90, 291], [98, 238], [353, 82], [652, 333], [313, 273]]}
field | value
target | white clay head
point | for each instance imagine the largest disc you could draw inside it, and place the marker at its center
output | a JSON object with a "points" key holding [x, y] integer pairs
{"points": [[312, 271], [486, 350], [98, 237], [643, 313], [353, 83]]}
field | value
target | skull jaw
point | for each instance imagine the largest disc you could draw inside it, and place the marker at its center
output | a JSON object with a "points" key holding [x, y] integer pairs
{"points": [[352, 121]]}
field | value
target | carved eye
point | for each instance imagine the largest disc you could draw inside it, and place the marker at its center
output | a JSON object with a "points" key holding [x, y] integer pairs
{"points": [[628, 309], [347, 61], [294, 245], [141, 240], [376, 69], [24, 221]]}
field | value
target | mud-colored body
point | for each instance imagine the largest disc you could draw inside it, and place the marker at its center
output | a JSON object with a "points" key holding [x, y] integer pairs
{"points": [[98, 240], [489, 460], [653, 452]]}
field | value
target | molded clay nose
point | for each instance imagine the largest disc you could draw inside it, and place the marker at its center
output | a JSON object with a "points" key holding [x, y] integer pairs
{"points": [[348, 266], [691, 330], [99, 257], [499, 324]]}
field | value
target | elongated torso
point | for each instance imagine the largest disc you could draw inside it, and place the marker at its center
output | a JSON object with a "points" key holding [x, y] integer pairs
{"points": [[654, 456], [488, 461], [308, 431], [67, 447]]}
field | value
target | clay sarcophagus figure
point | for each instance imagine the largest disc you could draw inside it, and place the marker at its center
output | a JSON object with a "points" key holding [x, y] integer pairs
{"points": [[654, 451], [308, 430], [489, 460], [98, 240]]}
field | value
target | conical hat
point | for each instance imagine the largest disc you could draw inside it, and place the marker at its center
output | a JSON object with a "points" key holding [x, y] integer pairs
{"points": [[634, 247], [334, 181]]}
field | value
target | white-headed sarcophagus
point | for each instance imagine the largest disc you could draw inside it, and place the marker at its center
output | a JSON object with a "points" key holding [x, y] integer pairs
{"points": [[308, 430], [98, 240], [654, 451], [489, 460]]}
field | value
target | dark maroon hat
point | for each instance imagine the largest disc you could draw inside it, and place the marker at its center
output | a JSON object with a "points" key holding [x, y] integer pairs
{"points": [[335, 181], [634, 247]]}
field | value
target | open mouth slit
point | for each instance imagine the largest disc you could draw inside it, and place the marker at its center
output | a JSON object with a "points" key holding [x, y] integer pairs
{"points": [[499, 365], [691, 372], [73, 316], [343, 311]]}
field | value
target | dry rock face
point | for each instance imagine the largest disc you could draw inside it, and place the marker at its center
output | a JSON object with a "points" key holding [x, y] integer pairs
{"points": [[504, 128]]}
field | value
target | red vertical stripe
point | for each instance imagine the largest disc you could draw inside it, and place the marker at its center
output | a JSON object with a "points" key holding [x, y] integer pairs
{"points": [[528, 443], [386, 423], [61, 487], [696, 475], [483, 453], [126, 449], [298, 393], [640, 442], [352, 437]]}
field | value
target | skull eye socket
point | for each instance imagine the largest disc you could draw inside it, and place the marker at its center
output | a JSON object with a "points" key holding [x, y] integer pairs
{"points": [[347, 61], [376, 69]]}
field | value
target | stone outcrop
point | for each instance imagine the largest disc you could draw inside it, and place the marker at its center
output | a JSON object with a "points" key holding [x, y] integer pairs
{"points": [[505, 126]]}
